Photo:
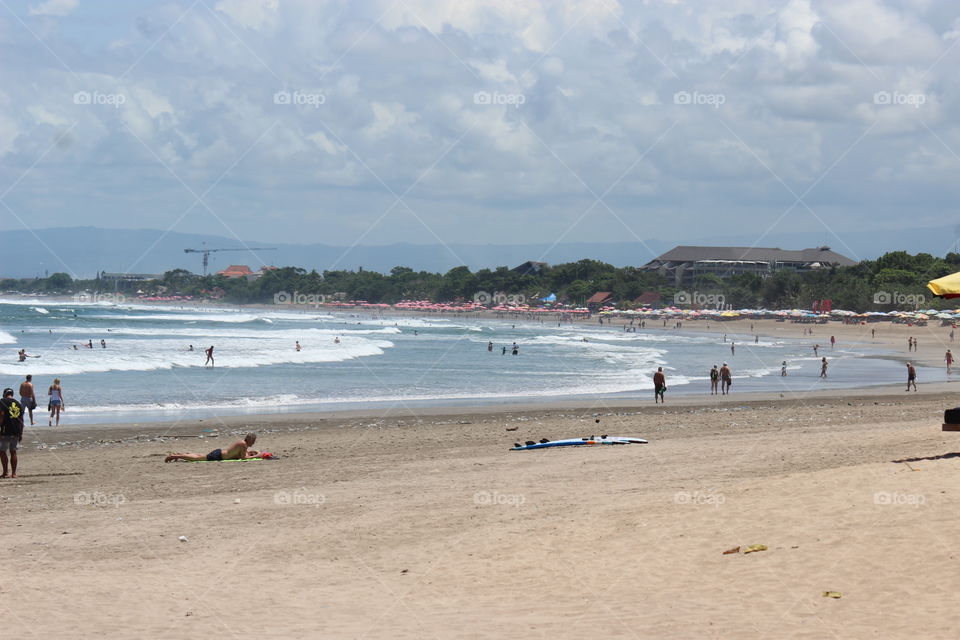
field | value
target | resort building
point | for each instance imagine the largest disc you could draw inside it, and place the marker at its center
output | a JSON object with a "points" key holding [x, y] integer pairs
{"points": [[684, 263]]}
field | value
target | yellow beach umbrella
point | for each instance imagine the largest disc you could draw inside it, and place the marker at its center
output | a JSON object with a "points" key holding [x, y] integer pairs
{"points": [[946, 287]]}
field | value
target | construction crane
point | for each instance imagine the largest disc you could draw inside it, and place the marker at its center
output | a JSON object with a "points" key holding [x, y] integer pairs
{"points": [[206, 253]]}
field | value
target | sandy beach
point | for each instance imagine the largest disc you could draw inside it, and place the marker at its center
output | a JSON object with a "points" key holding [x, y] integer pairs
{"points": [[404, 525]]}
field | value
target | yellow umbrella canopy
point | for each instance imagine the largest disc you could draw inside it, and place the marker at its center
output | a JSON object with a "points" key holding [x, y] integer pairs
{"points": [[946, 287]]}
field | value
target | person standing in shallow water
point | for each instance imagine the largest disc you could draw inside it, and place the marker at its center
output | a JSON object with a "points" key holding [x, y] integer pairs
{"points": [[714, 380], [911, 377], [823, 368], [948, 358], [209, 353]]}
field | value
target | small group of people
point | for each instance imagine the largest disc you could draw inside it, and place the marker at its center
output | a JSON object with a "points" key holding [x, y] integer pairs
{"points": [[515, 349], [911, 344], [28, 400], [721, 378]]}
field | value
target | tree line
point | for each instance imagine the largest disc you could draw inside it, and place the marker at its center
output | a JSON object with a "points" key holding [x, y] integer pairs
{"points": [[896, 280]]}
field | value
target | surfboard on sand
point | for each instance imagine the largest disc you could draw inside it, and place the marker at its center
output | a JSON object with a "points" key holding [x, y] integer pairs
{"points": [[578, 442]]}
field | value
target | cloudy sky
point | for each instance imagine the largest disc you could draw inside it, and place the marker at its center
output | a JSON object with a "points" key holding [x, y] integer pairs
{"points": [[506, 121]]}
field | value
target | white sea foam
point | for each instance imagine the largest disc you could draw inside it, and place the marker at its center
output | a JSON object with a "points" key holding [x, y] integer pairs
{"points": [[159, 354]]}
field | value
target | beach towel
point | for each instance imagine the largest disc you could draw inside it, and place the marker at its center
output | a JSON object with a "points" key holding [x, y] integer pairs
{"points": [[266, 455]]}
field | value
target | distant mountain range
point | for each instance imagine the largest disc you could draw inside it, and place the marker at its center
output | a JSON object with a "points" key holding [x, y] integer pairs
{"points": [[84, 251]]}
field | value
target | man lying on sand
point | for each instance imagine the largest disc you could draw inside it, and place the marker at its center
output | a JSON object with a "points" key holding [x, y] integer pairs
{"points": [[239, 450]]}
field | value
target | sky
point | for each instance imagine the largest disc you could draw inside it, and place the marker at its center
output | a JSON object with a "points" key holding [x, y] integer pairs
{"points": [[352, 122]]}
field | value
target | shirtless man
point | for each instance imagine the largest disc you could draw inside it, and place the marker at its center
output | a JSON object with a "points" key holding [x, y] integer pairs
{"points": [[27, 397], [209, 353], [659, 385], [725, 379], [237, 451]]}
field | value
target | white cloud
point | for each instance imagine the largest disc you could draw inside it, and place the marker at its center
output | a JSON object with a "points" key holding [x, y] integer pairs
{"points": [[58, 8], [598, 81]]}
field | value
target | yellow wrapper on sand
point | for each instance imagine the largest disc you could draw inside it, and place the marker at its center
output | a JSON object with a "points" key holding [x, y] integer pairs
{"points": [[755, 547], [832, 594]]}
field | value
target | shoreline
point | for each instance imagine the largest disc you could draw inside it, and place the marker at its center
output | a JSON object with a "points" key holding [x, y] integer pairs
{"points": [[443, 415]]}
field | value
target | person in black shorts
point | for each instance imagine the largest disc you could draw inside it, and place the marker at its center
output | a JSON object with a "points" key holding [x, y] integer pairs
{"points": [[11, 432], [239, 450]]}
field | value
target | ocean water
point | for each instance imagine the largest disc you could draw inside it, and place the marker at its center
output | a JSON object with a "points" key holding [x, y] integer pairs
{"points": [[146, 372]]}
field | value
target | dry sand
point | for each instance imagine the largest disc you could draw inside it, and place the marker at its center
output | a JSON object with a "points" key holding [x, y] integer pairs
{"points": [[426, 526]]}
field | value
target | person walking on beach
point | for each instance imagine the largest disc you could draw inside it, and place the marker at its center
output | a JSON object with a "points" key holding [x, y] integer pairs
{"points": [[873, 333], [28, 397], [725, 379], [949, 359], [56, 402], [911, 377], [11, 432], [239, 450], [823, 368], [659, 385], [733, 348], [209, 353], [714, 380], [816, 348], [910, 343], [833, 341], [951, 335]]}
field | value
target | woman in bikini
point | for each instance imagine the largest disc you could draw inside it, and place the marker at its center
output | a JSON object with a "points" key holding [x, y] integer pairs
{"points": [[56, 401]]}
